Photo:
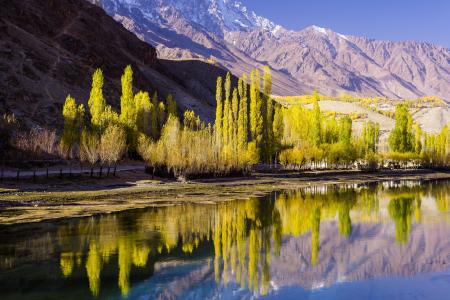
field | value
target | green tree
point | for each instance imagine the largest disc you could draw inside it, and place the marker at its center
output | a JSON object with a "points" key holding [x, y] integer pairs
{"points": [[144, 109], [417, 139], [256, 115], [345, 130], [154, 116], [219, 112], [127, 104], [278, 128], [73, 123], [268, 109], [316, 121], [401, 137], [96, 101], [243, 116], [371, 137]]}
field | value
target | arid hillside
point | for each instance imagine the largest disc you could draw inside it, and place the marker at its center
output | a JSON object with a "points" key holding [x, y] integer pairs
{"points": [[50, 49]]}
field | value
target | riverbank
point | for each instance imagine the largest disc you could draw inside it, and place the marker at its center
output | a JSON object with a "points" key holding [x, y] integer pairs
{"points": [[56, 200]]}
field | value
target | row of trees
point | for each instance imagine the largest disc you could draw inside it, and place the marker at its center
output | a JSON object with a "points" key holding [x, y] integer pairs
{"points": [[243, 133], [408, 143], [249, 127], [108, 135], [311, 139]]}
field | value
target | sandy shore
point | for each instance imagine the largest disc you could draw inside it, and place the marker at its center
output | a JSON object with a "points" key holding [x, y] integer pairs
{"points": [[56, 200]]}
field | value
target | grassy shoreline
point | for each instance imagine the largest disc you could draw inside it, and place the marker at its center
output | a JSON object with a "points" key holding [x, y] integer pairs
{"points": [[50, 201]]}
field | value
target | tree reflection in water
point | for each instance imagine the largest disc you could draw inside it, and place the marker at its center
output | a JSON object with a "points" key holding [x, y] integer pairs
{"points": [[242, 235]]}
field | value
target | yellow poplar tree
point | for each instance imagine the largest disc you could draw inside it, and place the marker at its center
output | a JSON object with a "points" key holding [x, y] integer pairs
{"points": [[127, 105], [96, 101], [219, 112], [143, 112], [73, 123]]}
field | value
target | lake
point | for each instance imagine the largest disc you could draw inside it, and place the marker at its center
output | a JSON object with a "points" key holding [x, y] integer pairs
{"points": [[377, 241]]}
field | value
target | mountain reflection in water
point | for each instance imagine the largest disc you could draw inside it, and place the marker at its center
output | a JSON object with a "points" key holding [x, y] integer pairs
{"points": [[309, 239]]}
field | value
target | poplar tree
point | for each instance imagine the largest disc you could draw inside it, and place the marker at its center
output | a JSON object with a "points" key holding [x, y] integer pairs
{"points": [[226, 122], [219, 112], [96, 100], [278, 128], [234, 122], [227, 86], [401, 137], [256, 116], [316, 121], [154, 116], [162, 114], [267, 108], [345, 130], [417, 139], [371, 136], [243, 115], [73, 122], [127, 105], [171, 106], [143, 112]]}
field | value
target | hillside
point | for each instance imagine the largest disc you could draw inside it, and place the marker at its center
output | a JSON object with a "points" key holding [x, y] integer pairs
{"points": [[238, 39], [50, 49]]}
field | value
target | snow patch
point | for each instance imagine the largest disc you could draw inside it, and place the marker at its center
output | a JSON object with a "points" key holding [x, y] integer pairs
{"points": [[319, 29]]}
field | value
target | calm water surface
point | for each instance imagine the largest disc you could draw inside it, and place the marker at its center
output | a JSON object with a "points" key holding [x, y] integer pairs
{"points": [[382, 241]]}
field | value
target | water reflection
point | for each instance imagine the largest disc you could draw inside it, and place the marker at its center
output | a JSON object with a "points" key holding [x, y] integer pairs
{"points": [[247, 243]]}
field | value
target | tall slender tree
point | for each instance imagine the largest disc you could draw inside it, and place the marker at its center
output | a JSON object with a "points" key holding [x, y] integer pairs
{"points": [[143, 112], [73, 122], [401, 137], [171, 106], [316, 121], [96, 100], [268, 110], [154, 116], [219, 112], [127, 105]]}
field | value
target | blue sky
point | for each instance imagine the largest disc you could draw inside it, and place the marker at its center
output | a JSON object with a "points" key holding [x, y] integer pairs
{"points": [[422, 20]]}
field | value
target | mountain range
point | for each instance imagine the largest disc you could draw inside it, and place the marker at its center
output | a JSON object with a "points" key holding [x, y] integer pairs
{"points": [[235, 38]]}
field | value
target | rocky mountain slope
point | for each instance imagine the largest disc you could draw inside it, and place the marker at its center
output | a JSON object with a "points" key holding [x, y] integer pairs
{"points": [[238, 39], [50, 49]]}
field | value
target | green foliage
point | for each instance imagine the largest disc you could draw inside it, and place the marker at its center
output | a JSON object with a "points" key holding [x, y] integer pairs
{"points": [[96, 101], [73, 122], [219, 112], [144, 109], [401, 138], [316, 129], [127, 103]]}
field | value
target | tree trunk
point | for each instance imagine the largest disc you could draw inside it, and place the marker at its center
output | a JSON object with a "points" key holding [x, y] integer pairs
{"points": [[34, 175], [115, 166], [60, 173], [100, 173], [92, 171], [109, 168], [18, 172]]}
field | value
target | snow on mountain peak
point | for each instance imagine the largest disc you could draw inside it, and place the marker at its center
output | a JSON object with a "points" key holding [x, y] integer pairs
{"points": [[219, 16]]}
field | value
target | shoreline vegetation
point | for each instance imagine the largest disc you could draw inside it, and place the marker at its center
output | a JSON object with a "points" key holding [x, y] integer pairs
{"points": [[61, 201], [251, 128], [251, 131]]}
